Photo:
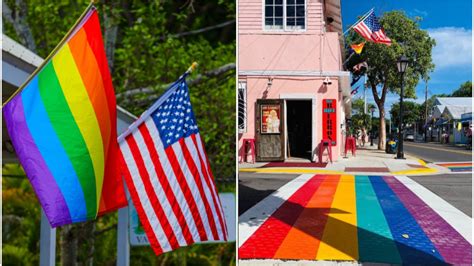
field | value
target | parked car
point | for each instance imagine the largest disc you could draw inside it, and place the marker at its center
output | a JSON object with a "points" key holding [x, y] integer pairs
{"points": [[409, 137]]}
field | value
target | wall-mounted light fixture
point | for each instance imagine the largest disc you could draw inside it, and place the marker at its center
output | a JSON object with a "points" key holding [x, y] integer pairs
{"points": [[327, 81], [270, 81]]}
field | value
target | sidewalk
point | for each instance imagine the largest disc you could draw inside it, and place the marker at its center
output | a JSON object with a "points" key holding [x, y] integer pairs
{"points": [[368, 161]]}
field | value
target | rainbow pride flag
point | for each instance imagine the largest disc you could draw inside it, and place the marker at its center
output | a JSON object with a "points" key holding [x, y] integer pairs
{"points": [[357, 48], [376, 219], [63, 128]]}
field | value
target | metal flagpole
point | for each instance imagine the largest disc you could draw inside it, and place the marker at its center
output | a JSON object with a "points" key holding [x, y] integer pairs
{"points": [[362, 18]]}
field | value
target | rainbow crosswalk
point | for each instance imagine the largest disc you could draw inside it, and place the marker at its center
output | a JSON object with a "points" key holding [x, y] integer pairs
{"points": [[457, 166], [354, 218]]}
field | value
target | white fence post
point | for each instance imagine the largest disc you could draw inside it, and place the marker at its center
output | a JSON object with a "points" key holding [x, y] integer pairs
{"points": [[123, 245], [47, 242]]}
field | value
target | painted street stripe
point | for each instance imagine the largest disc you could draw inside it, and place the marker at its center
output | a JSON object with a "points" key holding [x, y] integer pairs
{"points": [[266, 240], [412, 243], [460, 169], [363, 219], [450, 244], [303, 240], [254, 217], [455, 164], [342, 221], [376, 243], [457, 219]]}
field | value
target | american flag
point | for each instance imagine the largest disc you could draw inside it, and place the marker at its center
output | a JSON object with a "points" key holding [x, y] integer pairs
{"points": [[169, 176], [371, 30]]}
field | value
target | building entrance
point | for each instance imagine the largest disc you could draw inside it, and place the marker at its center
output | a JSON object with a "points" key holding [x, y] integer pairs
{"points": [[299, 126]]}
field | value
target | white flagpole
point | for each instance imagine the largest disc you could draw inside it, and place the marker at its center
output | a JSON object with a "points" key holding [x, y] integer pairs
{"points": [[362, 18]]}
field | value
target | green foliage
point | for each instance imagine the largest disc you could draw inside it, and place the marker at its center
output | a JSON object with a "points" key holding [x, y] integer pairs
{"points": [[144, 52], [20, 218], [358, 106], [359, 119], [413, 112], [407, 39], [465, 90], [13, 255]]}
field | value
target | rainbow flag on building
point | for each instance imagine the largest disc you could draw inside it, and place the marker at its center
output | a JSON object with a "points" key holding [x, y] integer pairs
{"points": [[63, 127]]}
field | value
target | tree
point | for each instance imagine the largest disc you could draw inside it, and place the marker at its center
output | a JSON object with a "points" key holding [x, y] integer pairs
{"points": [[407, 39], [465, 90], [359, 118], [413, 113]]}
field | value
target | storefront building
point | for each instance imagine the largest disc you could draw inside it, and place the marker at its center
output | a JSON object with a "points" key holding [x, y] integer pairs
{"points": [[445, 123], [293, 92], [453, 115]]}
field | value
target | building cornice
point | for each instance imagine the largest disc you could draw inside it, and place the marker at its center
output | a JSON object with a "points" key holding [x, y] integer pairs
{"points": [[299, 73]]}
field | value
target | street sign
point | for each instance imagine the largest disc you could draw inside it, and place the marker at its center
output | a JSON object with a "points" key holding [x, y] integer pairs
{"points": [[139, 238]]}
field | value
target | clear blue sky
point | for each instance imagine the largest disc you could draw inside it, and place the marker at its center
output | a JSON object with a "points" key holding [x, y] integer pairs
{"points": [[448, 22]]}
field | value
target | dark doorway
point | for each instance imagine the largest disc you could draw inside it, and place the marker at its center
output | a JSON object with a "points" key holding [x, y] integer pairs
{"points": [[299, 128]]}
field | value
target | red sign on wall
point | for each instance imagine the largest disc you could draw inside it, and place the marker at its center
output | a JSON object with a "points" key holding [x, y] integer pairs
{"points": [[329, 121]]}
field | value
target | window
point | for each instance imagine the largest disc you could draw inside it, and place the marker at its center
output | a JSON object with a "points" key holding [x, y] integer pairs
{"points": [[295, 14], [242, 107], [273, 14], [285, 14]]}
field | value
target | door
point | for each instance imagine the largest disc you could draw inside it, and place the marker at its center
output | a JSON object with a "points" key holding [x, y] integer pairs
{"points": [[299, 128], [269, 127]]}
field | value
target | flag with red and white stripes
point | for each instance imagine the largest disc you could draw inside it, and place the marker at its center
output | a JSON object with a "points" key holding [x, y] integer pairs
{"points": [[169, 176], [371, 30]]}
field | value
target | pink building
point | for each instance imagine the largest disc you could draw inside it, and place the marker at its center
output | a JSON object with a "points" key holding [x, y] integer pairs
{"points": [[293, 91]]}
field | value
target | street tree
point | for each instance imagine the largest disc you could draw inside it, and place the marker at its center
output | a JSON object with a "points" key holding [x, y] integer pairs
{"points": [[413, 112], [358, 106], [383, 77], [359, 118], [465, 90]]}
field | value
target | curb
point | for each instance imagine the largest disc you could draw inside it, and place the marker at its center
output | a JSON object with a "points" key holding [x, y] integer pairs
{"points": [[418, 171], [290, 171]]}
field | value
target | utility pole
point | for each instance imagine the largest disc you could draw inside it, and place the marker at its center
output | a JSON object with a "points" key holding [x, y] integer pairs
{"points": [[426, 109], [365, 94]]}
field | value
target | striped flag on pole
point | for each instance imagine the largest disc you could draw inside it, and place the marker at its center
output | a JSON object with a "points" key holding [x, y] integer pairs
{"points": [[169, 176], [371, 30]]}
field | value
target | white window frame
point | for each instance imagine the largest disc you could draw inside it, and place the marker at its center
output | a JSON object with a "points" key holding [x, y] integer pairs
{"points": [[242, 86], [285, 27]]}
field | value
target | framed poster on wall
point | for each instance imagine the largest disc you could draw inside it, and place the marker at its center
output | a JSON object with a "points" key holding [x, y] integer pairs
{"points": [[270, 118], [329, 121]]}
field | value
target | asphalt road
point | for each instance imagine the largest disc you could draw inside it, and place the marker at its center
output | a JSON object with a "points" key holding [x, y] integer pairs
{"points": [[254, 187], [434, 152], [453, 188]]}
